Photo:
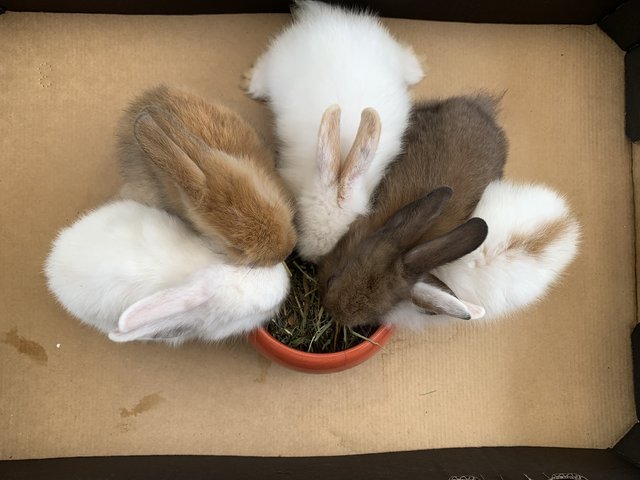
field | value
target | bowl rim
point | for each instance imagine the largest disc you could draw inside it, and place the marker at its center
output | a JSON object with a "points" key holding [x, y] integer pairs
{"points": [[268, 345]]}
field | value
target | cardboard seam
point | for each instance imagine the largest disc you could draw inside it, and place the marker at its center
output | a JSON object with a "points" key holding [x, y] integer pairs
{"points": [[626, 447], [612, 22]]}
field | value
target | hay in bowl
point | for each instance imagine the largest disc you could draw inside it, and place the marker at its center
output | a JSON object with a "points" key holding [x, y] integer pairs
{"points": [[302, 322]]}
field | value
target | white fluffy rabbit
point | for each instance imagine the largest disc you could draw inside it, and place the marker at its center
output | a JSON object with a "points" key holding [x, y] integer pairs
{"points": [[532, 238], [138, 273], [345, 68]]}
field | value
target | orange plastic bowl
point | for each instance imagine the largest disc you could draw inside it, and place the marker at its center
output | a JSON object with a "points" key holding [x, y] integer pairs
{"points": [[289, 357]]}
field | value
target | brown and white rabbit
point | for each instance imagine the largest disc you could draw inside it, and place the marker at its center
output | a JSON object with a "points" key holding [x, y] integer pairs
{"points": [[416, 224], [207, 165]]}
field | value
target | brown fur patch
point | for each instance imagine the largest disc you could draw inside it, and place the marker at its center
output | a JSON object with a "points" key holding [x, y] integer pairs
{"points": [[454, 142], [534, 245], [247, 213], [166, 155]]}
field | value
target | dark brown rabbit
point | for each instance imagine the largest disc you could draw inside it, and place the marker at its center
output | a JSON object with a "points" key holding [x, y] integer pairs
{"points": [[419, 221], [207, 165]]}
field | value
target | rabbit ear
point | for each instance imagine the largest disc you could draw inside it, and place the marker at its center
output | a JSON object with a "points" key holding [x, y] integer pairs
{"points": [[328, 155], [446, 248], [165, 154], [409, 223], [195, 148], [164, 314], [438, 301], [361, 154]]}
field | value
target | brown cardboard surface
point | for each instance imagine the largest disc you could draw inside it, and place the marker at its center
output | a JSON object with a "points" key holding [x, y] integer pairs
{"points": [[558, 374]]}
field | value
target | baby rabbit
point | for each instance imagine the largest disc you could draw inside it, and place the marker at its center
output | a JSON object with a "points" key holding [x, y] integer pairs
{"points": [[332, 79], [532, 239], [138, 273], [386, 257], [205, 164], [394, 265]]}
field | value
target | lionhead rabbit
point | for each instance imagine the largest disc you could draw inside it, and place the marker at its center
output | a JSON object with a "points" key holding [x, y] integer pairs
{"points": [[205, 164], [138, 273], [396, 260], [333, 78]]}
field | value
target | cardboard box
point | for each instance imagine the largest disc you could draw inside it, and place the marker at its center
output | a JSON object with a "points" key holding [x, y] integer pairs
{"points": [[556, 376]]}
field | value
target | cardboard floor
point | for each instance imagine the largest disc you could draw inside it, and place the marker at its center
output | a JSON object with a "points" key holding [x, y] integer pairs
{"points": [[558, 374]]}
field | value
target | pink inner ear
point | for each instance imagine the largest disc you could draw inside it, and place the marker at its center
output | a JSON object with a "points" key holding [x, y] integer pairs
{"points": [[476, 311], [136, 316], [165, 304]]}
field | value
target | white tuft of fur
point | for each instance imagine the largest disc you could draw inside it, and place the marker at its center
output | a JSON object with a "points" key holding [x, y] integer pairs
{"points": [[329, 56], [501, 276], [118, 254], [322, 222], [213, 304], [125, 252]]}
